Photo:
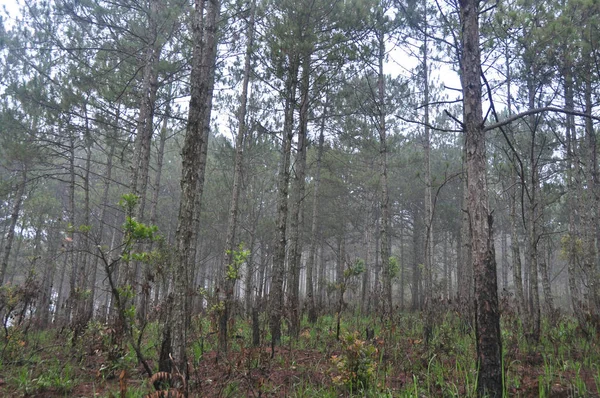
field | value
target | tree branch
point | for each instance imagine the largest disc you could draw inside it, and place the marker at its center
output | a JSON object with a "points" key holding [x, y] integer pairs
{"points": [[428, 125], [534, 112]]}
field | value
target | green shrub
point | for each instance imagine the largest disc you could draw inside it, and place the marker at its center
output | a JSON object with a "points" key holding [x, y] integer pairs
{"points": [[357, 364]]}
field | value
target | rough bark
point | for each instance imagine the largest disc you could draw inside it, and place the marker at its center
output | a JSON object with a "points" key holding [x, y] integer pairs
{"points": [[203, 63], [487, 316], [465, 266]]}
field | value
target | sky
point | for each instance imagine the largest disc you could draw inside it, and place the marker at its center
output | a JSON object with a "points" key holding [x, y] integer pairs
{"points": [[398, 63]]}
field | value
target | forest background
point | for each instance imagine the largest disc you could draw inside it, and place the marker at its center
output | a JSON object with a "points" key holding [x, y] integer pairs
{"points": [[171, 173]]}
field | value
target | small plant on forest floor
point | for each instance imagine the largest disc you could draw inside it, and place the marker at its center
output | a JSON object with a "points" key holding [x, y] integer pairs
{"points": [[54, 378], [578, 384], [356, 364]]}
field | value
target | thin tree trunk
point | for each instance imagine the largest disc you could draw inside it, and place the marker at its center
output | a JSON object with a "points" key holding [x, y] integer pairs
{"points": [[228, 284], [297, 197], [365, 279], [144, 296], [107, 183], [145, 122], [544, 265], [14, 217], [71, 232], [402, 265], [428, 252], [534, 295], [43, 316], [593, 233], [383, 181], [417, 261], [572, 197], [516, 252], [314, 229], [276, 291], [504, 244]]}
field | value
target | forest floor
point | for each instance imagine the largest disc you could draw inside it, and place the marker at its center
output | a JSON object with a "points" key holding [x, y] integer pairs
{"points": [[396, 362]]}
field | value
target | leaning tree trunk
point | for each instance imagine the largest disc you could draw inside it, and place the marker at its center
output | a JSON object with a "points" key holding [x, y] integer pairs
{"points": [[487, 315]]}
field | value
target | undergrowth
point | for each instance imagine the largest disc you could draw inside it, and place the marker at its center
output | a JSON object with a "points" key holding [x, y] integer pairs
{"points": [[394, 360]]}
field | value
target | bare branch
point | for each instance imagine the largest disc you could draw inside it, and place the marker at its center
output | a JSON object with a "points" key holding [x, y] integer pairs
{"points": [[428, 125], [534, 112], [451, 116]]}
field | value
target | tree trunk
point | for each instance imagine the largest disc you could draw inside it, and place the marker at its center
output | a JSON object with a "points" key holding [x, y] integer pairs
{"points": [[71, 232], [314, 229], [228, 284], [465, 268], [145, 122], [544, 265], [297, 197], [417, 261], [516, 251], [532, 241], [276, 291], [572, 165], [45, 300], [14, 217], [203, 64], [593, 230], [383, 181], [428, 249], [487, 315]]}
